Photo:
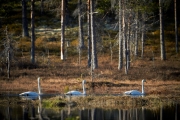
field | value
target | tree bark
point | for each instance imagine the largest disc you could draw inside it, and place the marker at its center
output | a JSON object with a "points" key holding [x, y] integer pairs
{"points": [[120, 65], [176, 27], [89, 33], [93, 39], [142, 35], [33, 34], [162, 42], [81, 39], [62, 29], [24, 20], [42, 7], [136, 35], [124, 35]]}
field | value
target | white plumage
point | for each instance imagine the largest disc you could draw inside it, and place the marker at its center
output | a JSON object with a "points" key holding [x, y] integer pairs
{"points": [[31, 94], [77, 93], [136, 92]]}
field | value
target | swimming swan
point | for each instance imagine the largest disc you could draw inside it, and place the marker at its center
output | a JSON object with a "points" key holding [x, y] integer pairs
{"points": [[32, 94], [135, 92], [77, 93]]}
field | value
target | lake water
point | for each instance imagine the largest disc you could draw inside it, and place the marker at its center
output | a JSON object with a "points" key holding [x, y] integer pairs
{"points": [[30, 112]]}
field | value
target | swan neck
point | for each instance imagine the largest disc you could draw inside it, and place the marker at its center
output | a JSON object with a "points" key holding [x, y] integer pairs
{"points": [[84, 90], [39, 87], [142, 87]]}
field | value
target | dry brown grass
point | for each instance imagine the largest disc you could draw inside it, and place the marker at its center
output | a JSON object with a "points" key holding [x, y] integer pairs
{"points": [[59, 76]]}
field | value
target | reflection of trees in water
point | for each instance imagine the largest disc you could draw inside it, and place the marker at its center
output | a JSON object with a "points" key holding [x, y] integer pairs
{"points": [[29, 110], [120, 114], [26, 112]]}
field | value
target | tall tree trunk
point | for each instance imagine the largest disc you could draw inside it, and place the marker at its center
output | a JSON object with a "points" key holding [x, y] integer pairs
{"points": [[142, 35], [24, 19], [120, 65], [81, 39], [162, 42], [42, 7], [124, 34], [176, 27], [8, 43], [128, 44], [62, 29], [33, 33], [93, 38], [89, 33], [136, 35]]}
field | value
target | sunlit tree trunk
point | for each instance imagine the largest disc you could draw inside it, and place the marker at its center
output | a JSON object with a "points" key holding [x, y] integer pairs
{"points": [[124, 35], [136, 35], [120, 64], [32, 33], [24, 19], [93, 38], [81, 39], [89, 33], [142, 35], [7, 54], [128, 45], [162, 42], [62, 29], [161, 112], [176, 27]]}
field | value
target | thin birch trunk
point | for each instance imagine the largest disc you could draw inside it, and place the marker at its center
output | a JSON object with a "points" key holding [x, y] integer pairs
{"points": [[136, 36], [120, 65], [62, 29], [176, 27], [89, 33], [24, 19], [124, 35], [142, 35], [162, 42], [93, 38], [81, 39], [32, 33]]}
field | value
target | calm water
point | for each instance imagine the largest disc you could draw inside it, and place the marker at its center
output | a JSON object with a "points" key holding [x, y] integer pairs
{"points": [[30, 112]]}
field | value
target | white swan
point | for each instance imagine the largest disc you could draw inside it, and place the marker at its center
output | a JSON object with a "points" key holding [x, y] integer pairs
{"points": [[135, 92], [77, 93], [31, 94]]}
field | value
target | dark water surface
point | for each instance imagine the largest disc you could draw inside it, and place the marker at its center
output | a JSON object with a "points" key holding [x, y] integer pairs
{"points": [[30, 112]]}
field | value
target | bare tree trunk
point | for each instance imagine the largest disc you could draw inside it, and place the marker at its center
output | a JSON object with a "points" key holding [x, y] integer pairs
{"points": [[120, 65], [33, 34], [128, 45], [81, 39], [162, 42], [142, 35], [93, 38], [136, 36], [89, 33], [42, 7], [176, 27], [124, 35], [8, 53], [24, 19], [62, 29]]}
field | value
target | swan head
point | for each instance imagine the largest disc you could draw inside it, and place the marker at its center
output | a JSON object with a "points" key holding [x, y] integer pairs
{"points": [[84, 81], [143, 80]]}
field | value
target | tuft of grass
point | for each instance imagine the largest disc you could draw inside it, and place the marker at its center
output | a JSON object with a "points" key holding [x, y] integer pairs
{"points": [[55, 102]]}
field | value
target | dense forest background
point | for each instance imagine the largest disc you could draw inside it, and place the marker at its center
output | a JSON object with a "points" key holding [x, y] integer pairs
{"points": [[15, 48]]}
